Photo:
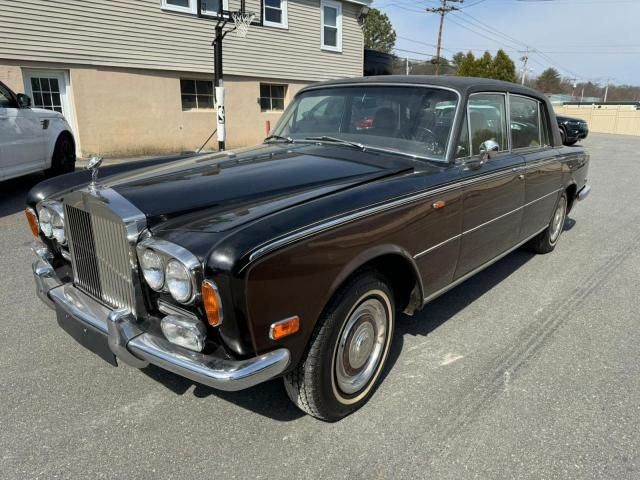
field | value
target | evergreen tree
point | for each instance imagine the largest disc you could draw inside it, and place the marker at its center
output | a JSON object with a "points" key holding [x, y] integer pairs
{"points": [[503, 67], [500, 67], [549, 81], [484, 66], [378, 32], [467, 66]]}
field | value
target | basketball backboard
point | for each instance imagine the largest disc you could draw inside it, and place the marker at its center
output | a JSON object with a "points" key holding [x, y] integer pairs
{"points": [[223, 10]]}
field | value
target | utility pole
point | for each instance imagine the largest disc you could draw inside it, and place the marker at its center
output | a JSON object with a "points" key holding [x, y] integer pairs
{"points": [[443, 9], [606, 90], [574, 84], [525, 60], [407, 65]]}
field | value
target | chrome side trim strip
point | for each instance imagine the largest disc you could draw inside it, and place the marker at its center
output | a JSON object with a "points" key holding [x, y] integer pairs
{"points": [[555, 192], [542, 197], [499, 217], [457, 282], [483, 225], [435, 247], [326, 225]]}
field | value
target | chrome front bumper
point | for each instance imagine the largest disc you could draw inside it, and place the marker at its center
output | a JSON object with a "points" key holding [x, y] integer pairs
{"points": [[139, 349]]}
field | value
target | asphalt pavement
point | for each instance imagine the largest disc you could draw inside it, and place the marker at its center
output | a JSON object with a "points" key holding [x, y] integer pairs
{"points": [[529, 370]]}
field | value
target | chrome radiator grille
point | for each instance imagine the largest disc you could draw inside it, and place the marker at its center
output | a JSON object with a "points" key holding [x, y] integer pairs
{"points": [[100, 256]]}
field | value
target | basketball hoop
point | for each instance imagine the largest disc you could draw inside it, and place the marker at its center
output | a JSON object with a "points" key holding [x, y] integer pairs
{"points": [[242, 22]]}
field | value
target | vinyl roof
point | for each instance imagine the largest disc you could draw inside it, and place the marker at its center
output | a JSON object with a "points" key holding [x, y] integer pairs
{"points": [[461, 84]]}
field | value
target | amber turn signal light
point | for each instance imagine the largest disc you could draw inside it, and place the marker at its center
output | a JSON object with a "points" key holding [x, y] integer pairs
{"points": [[284, 328], [32, 218], [439, 204], [212, 303]]}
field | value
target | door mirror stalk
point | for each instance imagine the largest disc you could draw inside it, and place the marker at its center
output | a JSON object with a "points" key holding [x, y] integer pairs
{"points": [[488, 150]]}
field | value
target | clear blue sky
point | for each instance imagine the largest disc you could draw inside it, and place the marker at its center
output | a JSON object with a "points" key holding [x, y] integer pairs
{"points": [[587, 39]]}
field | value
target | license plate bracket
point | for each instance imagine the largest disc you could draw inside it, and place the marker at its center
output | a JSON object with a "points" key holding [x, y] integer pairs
{"points": [[88, 336]]}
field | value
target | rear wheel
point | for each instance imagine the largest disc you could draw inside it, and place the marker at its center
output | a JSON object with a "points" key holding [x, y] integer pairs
{"points": [[571, 142], [347, 352], [64, 156], [546, 241]]}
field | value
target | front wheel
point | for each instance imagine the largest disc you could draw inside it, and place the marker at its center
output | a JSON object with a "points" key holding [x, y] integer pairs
{"points": [[348, 350], [546, 241], [64, 156]]}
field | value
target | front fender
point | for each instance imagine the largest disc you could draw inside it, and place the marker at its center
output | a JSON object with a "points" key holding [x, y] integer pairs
{"points": [[371, 254], [56, 127]]}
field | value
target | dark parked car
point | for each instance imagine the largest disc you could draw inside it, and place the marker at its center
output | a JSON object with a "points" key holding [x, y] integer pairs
{"points": [[294, 258], [572, 129]]}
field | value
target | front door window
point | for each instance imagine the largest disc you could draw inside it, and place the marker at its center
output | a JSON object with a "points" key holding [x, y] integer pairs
{"points": [[487, 121]]}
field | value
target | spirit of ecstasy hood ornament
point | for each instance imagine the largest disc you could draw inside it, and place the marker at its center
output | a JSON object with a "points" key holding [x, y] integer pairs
{"points": [[94, 165]]}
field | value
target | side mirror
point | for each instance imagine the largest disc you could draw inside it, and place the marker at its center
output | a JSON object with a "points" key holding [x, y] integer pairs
{"points": [[23, 100], [488, 150]]}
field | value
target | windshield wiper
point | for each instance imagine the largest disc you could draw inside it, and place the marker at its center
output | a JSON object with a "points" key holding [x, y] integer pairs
{"points": [[279, 138], [325, 138]]}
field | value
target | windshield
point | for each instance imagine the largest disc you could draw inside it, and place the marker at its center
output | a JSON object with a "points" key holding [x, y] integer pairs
{"points": [[410, 120]]}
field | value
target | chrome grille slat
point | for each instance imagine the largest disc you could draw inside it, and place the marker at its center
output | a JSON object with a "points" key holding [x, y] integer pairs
{"points": [[100, 257]]}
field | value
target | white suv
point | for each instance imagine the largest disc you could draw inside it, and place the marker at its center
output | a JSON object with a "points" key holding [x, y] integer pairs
{"points": [[32, 139]]}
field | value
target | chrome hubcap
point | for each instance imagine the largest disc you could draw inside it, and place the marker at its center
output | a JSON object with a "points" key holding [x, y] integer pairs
{"points": [[361, 346], [558, 220]]}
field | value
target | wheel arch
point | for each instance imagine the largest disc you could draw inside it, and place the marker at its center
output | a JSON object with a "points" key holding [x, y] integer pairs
{"points": [[54, 136], [571, 190], [396, 264]]}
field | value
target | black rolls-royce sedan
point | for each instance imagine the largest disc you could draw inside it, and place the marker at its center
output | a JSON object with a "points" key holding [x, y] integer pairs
{"points": [[294, 258]]}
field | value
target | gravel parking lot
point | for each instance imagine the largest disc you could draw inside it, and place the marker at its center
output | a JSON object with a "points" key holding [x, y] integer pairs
{"points": [[531, 369]]}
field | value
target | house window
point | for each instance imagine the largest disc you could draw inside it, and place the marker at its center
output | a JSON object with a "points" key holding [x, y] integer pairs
{"points": [[272, 97], [186, 6], [275, 13], [331, 21], [191, 6], [196, 94]]}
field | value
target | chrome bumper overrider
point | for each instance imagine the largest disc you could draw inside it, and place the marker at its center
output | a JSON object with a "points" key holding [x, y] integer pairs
{"points": [[138, 349], [584, 192]]}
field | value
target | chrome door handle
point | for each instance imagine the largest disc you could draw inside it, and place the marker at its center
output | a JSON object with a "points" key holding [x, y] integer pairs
{"points": [[521, 177]]}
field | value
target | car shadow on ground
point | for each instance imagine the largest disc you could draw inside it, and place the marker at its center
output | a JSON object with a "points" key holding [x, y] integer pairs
{"points": [[13, 193], [270, 399]]}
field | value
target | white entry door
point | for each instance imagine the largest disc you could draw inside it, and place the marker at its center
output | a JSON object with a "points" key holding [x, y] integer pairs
{"points": [[48, 89]]}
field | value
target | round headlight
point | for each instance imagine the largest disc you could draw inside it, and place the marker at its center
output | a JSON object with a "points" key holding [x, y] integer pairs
{"points": [[57, 227], [179, 281], [152, 269], [44, 215]]}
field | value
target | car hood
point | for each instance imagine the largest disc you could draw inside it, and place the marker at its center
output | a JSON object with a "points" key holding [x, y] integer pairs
{"points": [[569, 119], [215, 193]]}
